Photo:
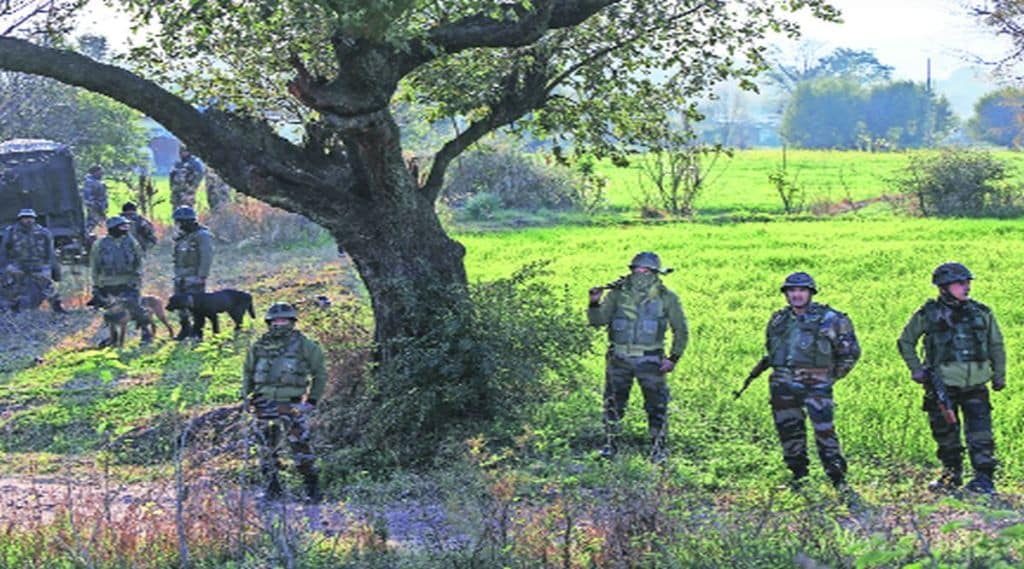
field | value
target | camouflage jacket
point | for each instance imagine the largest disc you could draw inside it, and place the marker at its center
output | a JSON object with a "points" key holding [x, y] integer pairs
{"points": [[638, 320], [94, 194], [963, 343], [284, 367], [116, 261], [820, 338], [187, 173], [193, 254], [31, 249]]}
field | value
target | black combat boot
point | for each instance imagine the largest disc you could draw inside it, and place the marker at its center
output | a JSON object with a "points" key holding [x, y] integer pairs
{"points": [[982, 483], [799, 477], [186, 329], [948, 481]]}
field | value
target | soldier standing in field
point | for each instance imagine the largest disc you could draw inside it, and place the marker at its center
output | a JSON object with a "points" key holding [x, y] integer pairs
{"points": [[28, 256], [218, 193], [638, 311], [186, 175], [283, 378], [140, 227], [963, 349], [809, 347], [94, 196], [193, 257], [116, 263]]}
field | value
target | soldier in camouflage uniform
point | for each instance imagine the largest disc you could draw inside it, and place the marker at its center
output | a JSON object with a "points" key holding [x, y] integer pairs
{"points": [[218, 193], [186, 175], [193, 257], [116, 263], [809, 347], [638, 311], [283, 378], [140, 227], [964, 346], [28, 257], [94, 196]]}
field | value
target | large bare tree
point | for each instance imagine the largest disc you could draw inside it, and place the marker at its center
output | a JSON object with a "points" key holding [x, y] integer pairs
{"points": [[224, 75]]}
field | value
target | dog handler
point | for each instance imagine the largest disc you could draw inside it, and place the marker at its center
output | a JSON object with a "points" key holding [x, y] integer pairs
{"points": [[193, 257], [116, 263]]}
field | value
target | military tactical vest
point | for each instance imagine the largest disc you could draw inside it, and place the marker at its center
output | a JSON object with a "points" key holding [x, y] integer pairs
{"points": [[639, 324], [27, 247], [801, 341], [117, 256], [186, 253], [280, 364], [955, 334]]}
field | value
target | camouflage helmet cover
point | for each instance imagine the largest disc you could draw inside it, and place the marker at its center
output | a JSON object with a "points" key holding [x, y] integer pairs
{"points": [[799, 278], [950, 272], [27, 212], [647, 260], [281, 310], [129, 206], [116, 221], [184, 213]]}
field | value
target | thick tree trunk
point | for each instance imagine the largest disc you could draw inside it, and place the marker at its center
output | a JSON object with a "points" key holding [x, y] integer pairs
{"points": [[412, 269]]}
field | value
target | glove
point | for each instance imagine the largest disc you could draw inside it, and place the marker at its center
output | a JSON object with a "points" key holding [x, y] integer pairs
{"points": [[919, 375], [595, 295], [998, 383], [667, 365]]}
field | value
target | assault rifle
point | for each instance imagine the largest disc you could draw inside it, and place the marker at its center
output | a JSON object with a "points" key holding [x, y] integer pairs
{"points": [[934, 387], [762, 364]]}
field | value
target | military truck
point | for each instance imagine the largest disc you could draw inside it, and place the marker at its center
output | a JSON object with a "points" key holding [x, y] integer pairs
{"points": [[40, 174]]}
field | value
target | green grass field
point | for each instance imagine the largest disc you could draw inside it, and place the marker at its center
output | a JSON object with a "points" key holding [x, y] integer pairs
{"points": [[728, 277], [740, 183]]}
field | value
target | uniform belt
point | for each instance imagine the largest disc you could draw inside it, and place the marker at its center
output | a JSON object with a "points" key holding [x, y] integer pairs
{"points": [[636, 352]]}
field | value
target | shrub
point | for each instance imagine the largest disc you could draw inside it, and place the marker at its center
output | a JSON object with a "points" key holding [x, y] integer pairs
{"points": [[518, 180], [487, 362], [482, 206], [248, 221], [958, 182]]}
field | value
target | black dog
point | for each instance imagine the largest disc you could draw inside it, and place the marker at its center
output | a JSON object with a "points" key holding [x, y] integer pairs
{"points": [[205, 305]]}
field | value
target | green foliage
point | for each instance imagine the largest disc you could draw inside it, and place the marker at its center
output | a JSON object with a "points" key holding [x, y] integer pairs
{"points": [[516, 179], [97, 129], [844, 113], [515, 346], [482, 206], [997, 117], [842, 63], [958, 182]]}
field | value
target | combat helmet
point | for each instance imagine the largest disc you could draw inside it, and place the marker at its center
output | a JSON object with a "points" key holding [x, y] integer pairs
{"points": [[647, 260], [116, 221], [27, 212], [950, 272], [799, 278], [184, 213], [281, 310]]}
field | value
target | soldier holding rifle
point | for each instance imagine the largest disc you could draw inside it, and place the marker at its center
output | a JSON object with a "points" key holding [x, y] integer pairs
{"points": [[638, 312], [963, 350], [809, 346]]}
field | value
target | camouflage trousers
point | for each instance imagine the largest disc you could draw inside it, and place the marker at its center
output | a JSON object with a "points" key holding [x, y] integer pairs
{"points": [[32, 287], [795, 398], [93, 218], [279, 423], [183, 194], [182, 286], [971, 404], [619, 373]]}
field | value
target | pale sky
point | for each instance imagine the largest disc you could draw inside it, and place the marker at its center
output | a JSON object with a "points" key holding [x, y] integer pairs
{"points": [[905, 33]]}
